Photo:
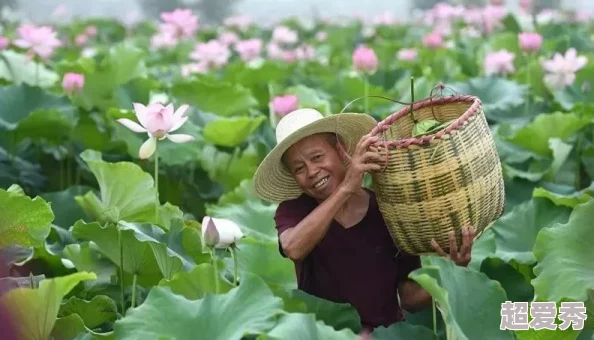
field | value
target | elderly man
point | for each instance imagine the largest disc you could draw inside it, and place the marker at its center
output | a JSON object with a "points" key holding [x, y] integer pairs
{"points": [[331, 227]]}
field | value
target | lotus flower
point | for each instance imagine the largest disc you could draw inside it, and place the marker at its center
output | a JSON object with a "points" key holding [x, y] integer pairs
{"points": [[281, 105], [81, 39], [214, 53], [219, 232], [158, 121], [365, 60], [40, 40], [433, 40], [407, 54], [499, 62], [91, 31], [530, 41], [561, 69], [182, 21], [249, 49], [229, 38], [284, 35], [73, 82], [4, 42]]}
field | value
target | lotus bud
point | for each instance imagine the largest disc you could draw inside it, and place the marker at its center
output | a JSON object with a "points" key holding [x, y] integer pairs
{"points": [[220, 232]]}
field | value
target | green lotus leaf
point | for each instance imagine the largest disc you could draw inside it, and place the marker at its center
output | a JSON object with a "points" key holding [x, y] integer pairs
{"points": [[465, 298], [24, 221], [222, 98], [231, 131], [38, 308], [195, 284], [565, 268], [93, 313], [515, 233], [248, 309]]}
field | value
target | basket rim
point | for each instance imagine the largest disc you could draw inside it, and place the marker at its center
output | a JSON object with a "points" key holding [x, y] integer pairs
{"points": [[405, 142]]}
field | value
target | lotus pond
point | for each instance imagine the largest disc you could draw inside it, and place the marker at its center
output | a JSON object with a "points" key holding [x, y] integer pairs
{"points": [[95, 246]]}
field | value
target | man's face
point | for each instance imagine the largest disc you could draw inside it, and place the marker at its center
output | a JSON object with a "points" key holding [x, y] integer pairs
{"points": [[316, 165]]}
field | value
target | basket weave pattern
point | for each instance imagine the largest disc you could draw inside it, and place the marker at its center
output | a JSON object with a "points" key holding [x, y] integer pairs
{"points": [[442, 182]]}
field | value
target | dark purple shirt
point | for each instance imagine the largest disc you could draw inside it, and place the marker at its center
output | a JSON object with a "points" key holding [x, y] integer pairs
{"points": [[360, 265]]}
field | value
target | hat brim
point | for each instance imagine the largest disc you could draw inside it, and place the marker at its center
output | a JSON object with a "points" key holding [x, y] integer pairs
{"points": [[274, 183]]}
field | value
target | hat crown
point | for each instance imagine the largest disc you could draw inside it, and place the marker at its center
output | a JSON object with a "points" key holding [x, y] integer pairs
{"points": [[294, 121]]}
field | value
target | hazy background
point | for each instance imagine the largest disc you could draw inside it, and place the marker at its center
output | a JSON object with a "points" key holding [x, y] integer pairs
{"points": [[264, 11]]}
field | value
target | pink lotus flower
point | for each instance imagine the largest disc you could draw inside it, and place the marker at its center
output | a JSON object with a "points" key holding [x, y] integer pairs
{"points": [[407, 54], [561, 69], [249, 49], [281, 105], [81, 39], [530, 41], [164, 39], [4, 42], [182, 21], [284, 35], [158, 122], [274, 51], [91, 31], [499, 62], [228, 38], [497, 2], [492, 17], [39, 40], [433, 40], [73, 82], [213, 53], [305, 52], [365, 60]]}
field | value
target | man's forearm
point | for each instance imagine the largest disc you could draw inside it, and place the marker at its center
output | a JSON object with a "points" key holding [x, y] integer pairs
{"points": [[413, 297], [298, 241]]}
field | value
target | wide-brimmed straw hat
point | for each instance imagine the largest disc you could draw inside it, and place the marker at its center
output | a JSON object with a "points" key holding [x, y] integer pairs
{"points": [[272, 181]]}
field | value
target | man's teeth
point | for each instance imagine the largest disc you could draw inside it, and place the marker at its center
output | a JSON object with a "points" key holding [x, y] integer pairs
{"points": [[322, 182]]}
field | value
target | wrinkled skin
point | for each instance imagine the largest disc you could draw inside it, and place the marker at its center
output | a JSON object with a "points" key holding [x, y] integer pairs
{"points": [[313, 159]]}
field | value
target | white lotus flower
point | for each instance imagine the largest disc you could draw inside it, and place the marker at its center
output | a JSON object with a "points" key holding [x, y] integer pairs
{"points": [[219, 232]]}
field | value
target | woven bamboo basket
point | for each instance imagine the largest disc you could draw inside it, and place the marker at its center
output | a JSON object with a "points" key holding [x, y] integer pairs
{"points": [[437, 183]]}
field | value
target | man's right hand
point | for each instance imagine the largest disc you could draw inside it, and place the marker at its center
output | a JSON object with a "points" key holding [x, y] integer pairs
{"points": [[364, 159]]}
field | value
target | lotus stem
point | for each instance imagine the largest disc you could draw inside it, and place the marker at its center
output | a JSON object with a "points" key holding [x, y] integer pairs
{"points": [[528, 83], [121, 243], [366, 92], [434, 316], [215, 270], [134, 290], [235, 266], [157, 183], [412, 97]]}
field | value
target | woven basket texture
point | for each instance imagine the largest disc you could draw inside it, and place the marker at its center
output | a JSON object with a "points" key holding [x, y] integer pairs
{"points": [[442, 182]]}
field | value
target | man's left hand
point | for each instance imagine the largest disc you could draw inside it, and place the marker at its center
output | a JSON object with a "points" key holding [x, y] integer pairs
{"points": [[461, 258]]}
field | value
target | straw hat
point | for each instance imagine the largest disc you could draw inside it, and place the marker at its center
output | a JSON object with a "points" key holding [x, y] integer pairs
{"points": [[272, 180]]}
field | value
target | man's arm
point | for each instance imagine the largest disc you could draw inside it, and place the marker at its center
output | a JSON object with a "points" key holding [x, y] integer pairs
{"points": [[297, 242]]}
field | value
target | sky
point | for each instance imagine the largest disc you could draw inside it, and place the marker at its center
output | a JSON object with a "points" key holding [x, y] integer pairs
{"points": [[262, 10]]}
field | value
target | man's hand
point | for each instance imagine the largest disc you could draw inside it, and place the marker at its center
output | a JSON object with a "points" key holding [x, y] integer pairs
{"points": [[463, 257]]}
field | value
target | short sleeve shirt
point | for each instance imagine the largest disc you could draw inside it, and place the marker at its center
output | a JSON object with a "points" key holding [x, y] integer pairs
{"points": [[359, 265]]}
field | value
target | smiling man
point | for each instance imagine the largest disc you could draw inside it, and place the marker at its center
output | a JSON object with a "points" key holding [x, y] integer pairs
{"points": [[330, 226]]}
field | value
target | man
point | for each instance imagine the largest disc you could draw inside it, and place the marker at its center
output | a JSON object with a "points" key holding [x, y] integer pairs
{"points": [[330, 226]]}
